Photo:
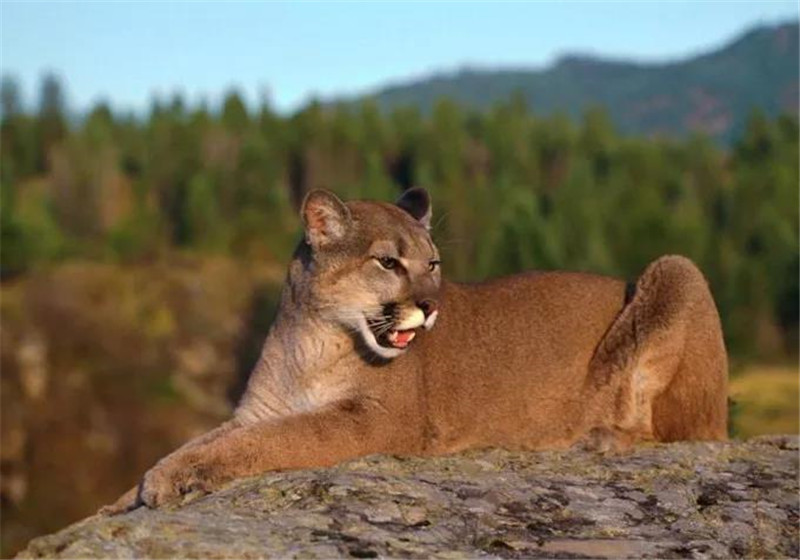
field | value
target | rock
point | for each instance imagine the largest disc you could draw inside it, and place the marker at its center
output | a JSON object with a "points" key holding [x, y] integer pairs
{"points": [[684, 500]]}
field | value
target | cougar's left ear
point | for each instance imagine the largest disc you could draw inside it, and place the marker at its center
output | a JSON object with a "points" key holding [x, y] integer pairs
{"points": [[325, 217], [417, 202]]}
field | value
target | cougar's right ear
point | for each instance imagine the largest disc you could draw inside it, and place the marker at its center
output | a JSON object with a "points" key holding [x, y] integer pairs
{"points": [[325, 218]]}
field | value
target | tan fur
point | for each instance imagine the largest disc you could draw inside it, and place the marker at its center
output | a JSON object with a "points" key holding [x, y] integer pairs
{"points": [[540, 360]]}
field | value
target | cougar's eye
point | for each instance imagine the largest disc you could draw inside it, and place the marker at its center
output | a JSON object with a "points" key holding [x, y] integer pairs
{"points": [[388, 263], [433, 265]]}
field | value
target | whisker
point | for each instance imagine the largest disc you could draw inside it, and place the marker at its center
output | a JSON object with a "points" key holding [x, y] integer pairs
{"points": [[384, 330]]}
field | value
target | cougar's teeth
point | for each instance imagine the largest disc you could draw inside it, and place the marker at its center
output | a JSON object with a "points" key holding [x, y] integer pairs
{"points": [[400, 339]]}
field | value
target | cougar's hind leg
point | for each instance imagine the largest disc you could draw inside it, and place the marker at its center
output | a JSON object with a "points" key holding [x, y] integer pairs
{"points": [[695, 404], [643, 371]]}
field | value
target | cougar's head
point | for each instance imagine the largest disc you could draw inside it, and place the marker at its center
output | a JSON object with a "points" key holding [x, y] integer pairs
{"points": [[373, 267]]}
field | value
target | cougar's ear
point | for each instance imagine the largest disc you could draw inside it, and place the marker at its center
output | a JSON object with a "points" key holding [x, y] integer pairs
{"points": [[325, 218], [417, 202]]}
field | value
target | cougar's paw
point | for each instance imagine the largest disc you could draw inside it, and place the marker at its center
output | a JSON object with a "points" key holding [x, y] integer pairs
{"points": [[605, 441], [157, 488], [165, 483], [127, 502]]}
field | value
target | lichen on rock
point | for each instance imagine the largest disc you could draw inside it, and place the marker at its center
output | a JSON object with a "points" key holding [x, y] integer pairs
{"points": [[682, 500]]}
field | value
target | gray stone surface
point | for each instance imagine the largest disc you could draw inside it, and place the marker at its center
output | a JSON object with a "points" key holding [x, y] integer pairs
{"points": [[685, 500]]}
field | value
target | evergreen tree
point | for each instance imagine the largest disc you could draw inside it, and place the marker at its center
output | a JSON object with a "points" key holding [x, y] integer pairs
{"points": [[52, 119], [511, 191]]}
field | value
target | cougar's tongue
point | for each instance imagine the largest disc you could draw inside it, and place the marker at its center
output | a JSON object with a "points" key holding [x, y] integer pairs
{"points": [[401, 339]]}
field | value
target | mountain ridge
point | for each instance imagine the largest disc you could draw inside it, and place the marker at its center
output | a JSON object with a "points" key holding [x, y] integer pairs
{"points": [[711, 92]]}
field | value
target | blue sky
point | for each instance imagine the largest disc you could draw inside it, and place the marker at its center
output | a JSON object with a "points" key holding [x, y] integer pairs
{"points": [[125, 52]]}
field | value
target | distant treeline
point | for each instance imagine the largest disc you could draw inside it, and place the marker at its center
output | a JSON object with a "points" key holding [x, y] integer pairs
{"points": [[511, 191]]}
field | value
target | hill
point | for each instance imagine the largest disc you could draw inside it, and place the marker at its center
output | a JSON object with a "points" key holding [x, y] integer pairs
{"points": [[712, 93]]}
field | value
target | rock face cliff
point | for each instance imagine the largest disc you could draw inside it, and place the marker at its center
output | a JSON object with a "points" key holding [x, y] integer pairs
{"points": [[685, 500]]}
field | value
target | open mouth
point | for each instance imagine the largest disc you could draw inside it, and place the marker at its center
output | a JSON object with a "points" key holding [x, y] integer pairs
{"points": [[390, 333], [390, 337]]}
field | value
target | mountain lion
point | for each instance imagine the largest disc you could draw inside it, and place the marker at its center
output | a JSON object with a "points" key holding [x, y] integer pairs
{"points": [[372, 352]]}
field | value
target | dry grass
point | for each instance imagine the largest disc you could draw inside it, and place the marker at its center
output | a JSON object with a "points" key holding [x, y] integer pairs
{"points": [[766, 400]]}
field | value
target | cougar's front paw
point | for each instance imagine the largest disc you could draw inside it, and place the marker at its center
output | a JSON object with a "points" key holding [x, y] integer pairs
{"points": [[166, 483], [125, 503], [158, 487]]}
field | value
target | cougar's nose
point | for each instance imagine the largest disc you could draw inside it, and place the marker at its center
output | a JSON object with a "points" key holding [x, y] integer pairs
{"points": [[428, 306]]}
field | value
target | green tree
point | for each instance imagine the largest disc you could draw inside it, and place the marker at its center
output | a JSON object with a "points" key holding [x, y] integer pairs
{"points": [[52, 124]]}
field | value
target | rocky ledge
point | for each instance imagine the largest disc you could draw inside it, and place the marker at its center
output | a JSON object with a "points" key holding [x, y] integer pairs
{"points": [[686, 500]]}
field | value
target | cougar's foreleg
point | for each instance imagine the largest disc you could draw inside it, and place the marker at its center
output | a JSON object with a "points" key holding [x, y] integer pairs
{"points": [[342, 431], [130, 499]]}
